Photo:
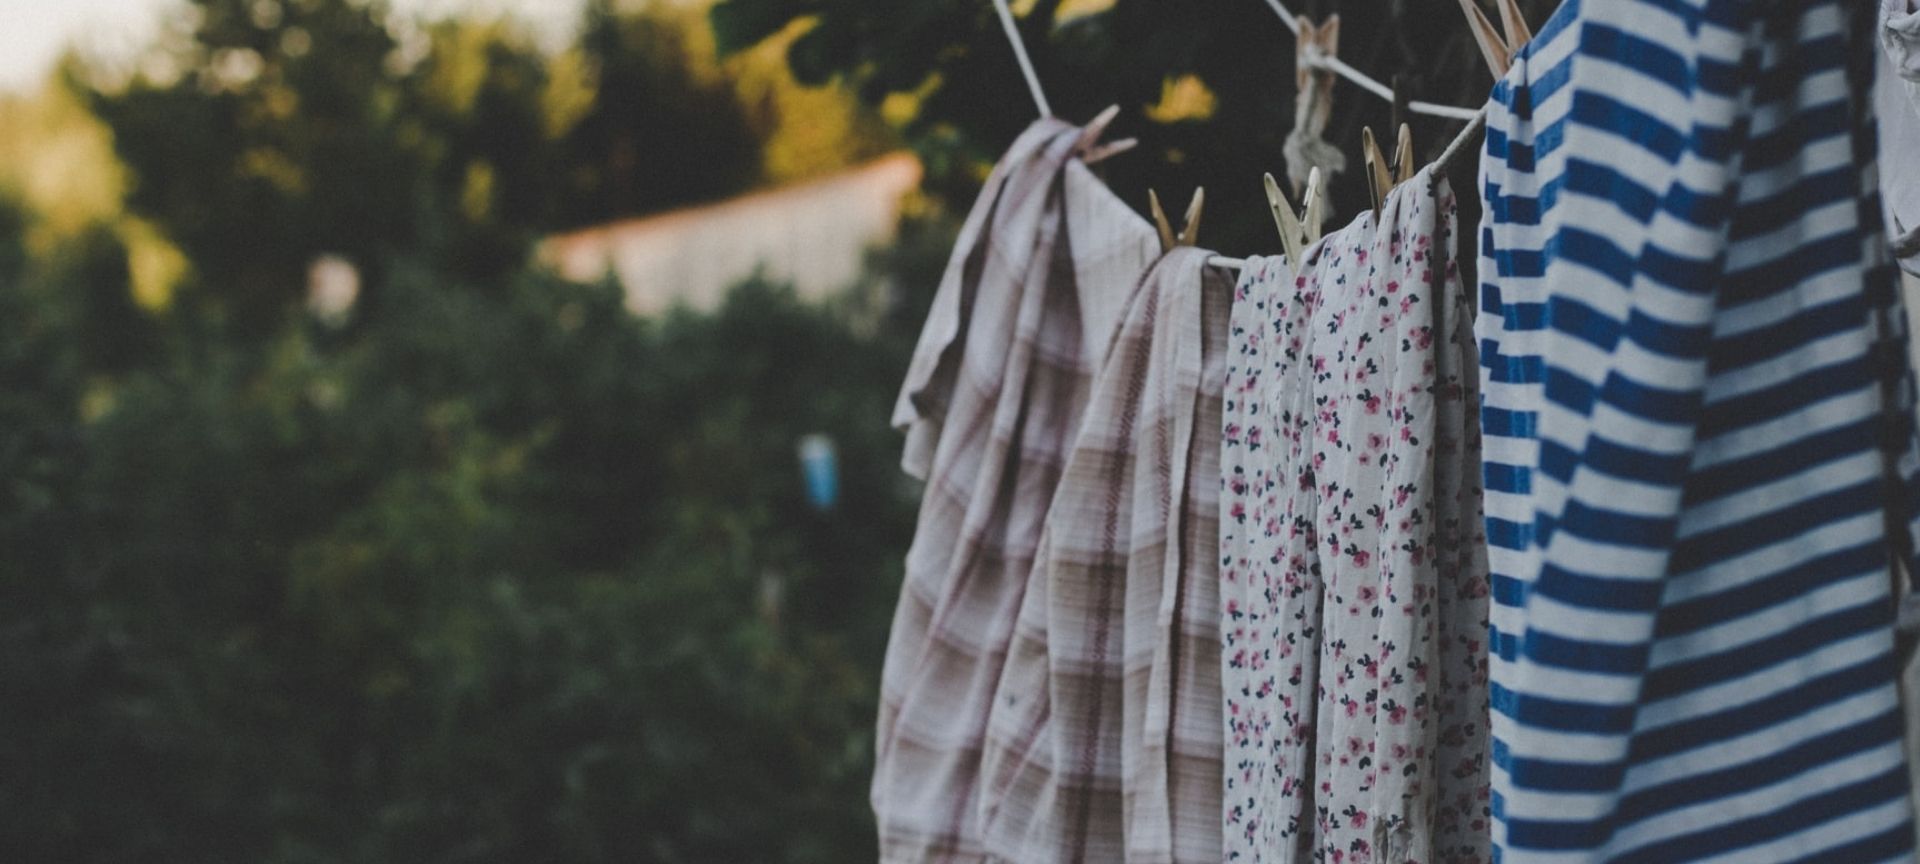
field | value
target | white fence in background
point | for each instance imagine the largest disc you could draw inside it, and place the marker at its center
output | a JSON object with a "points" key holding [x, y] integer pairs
{"points": [[813, 235]]}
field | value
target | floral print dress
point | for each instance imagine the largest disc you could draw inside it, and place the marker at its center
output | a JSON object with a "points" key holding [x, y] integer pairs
{"points": [[1353, 569]]}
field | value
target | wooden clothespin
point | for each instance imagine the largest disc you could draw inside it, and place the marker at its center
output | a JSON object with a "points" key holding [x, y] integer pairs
{"points": [[1089, 147], [1296, 232], [1190, 229], [1293, 235], [1402, 104], [1316, 207], [1403, 156], [1378, 179], [1306, 146], [1498, 49]]}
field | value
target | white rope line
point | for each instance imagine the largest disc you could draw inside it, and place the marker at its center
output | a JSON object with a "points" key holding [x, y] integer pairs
{"points": [[1451, 112], [1020, 53], [1446, 156], [1333, 64], [1286, 17], [1367, 83]]}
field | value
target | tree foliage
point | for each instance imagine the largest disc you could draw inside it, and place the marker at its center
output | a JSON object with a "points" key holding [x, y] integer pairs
{"points": [[508, 577], [497, 572], [307, 127]]}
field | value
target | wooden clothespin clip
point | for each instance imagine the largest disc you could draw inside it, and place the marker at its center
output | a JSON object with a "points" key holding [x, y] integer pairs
{"points": [[1293, 235], [1498, 49], [1089, 147], [1378, 180], [1403, 156], [1190, 229], [1297, 232], [1316, 207], [1402, 104], [1306, 146]]}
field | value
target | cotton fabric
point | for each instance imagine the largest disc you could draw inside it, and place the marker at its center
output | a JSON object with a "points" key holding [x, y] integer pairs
{"points": [[1353, 574], [1896, 95], [994, 395], [1699, 452], [1104, 743]]}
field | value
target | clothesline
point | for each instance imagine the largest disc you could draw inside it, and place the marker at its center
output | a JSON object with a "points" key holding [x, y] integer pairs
{"points": [[1366, 82], [1325, 61], [1675, 677], [1335, 64], [1020, 54]]}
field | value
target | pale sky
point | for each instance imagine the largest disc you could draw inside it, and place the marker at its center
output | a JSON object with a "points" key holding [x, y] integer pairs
{"points": [[34, 32]]}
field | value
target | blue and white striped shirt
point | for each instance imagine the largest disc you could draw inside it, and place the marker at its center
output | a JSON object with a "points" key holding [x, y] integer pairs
{"points": [[1694, 400]]}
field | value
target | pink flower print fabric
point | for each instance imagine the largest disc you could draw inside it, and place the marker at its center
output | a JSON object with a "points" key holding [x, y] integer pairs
{"points": [[1353, 572]]}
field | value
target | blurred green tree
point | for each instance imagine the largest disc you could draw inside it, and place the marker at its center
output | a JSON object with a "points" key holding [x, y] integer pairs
{"points": [[277, 137], [512, 576], [668, 130], [497, 573], [306, 127]]}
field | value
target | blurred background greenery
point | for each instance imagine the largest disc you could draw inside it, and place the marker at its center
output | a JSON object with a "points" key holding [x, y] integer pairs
{"points": [[481, 566]]}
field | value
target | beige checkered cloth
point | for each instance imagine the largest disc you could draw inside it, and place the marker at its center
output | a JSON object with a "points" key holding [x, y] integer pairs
{"points": [[995, 393], [1105, 739]]}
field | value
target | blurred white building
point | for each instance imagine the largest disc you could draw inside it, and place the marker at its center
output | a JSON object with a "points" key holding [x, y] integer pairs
{"points": [[813, 235]]}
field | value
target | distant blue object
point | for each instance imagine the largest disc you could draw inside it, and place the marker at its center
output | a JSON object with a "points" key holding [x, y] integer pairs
{"points": [[820, 467]]}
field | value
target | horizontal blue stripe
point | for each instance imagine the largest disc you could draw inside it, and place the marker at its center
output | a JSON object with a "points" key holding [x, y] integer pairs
{"points": [[1572, 317], [1792, 333], [1511, 479], [1593, 250], [1779, 647], [1512, 370], [1504, 534], [1771, 768], [1597, 523], [1786, 398], [1875, 673], [1892, 846], [1642, 55], [1606, 183], [1650, 133], [1558, 461], [1790, 457], [1573, 655], [1508, 591], [1805, 577], [1524, 316], [1589, 591], [1637, 464], [1839, 251], [1508, 423], [1560, 714], [1780, 525], [1841, 183], [1784, 822]]}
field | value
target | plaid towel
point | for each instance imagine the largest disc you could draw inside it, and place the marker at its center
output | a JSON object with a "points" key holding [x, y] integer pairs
{"points": [[993, 397], [1105, 739]]}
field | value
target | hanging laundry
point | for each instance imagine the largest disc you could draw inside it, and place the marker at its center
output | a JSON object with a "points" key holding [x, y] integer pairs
{"points": [[1306, 146], [1896, 104], [1896, 107], [1354, 581], [1900, 38], [1699, 447], [1105, 739], [993, 398]]}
